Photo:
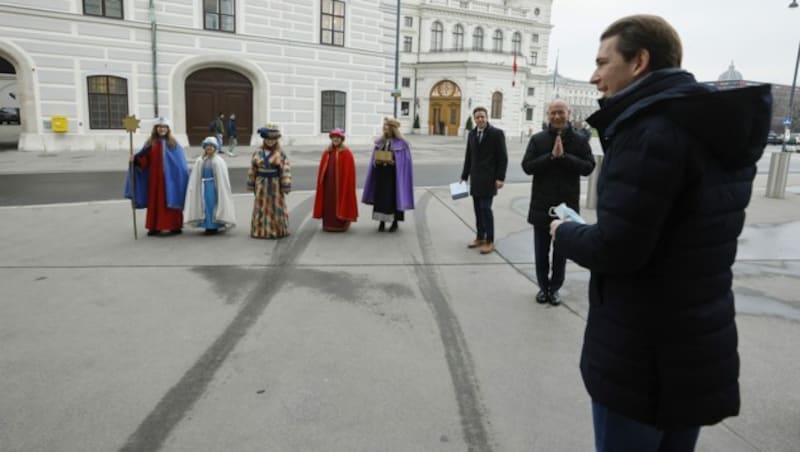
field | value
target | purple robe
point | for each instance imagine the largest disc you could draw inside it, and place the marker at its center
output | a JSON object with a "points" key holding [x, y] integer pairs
{"points": [[404, 172]]}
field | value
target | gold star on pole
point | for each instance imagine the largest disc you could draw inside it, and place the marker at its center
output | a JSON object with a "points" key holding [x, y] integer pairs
{"points": [[130, 123]]}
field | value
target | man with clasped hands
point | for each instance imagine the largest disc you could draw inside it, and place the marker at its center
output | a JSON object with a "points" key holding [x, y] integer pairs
{"points": [[556, 158]]}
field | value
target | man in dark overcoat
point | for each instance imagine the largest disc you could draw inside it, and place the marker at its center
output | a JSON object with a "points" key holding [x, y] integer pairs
{"points": [[485, 164], [659, 356], [556, 158]]}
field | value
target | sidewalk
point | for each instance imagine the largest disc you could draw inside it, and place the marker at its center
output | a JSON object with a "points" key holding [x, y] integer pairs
{"points": [[336, 342]]}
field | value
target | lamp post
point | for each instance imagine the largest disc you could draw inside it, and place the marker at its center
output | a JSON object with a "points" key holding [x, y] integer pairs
{"points": [[779, 161], [396, 90], [790, 113]]}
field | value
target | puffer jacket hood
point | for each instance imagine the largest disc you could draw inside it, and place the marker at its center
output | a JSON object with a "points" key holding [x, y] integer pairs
{"points": [[732, 124]]}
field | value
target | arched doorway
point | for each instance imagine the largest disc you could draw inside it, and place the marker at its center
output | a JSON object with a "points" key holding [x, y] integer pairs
{"points": [[445, 109], [10, 114], [215, 90]]}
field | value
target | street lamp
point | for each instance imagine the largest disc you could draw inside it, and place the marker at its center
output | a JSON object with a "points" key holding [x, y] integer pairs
{"points": [[396, 90], [790, 113]]}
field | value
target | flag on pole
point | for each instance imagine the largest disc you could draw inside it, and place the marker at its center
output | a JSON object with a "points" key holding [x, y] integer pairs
{"points": [[514, 70]]}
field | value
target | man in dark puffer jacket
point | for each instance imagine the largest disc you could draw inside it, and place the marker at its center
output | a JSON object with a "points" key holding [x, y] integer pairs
{"points": [[556, 158], [659, 356]]}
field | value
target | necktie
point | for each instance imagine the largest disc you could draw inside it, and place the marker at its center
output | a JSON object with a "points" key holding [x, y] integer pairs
{"points": [[480, 136]]}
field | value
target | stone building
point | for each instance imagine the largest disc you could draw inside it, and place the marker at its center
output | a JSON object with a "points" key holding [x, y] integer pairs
{"points": [[581, 96], [457, 55], [307, 65]]}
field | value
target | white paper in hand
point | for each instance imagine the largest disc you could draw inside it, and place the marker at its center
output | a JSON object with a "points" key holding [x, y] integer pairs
{"points": [[459, 190]]}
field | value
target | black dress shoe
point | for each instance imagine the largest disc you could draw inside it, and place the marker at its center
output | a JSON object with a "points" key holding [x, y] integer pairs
{"points": [[554, 298], [175, 231], [381, 226], [541, 297], [393, 227], [152, 232]]}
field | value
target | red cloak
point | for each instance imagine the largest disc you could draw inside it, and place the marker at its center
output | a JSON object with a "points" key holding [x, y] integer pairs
{"points": [[345, 196]]}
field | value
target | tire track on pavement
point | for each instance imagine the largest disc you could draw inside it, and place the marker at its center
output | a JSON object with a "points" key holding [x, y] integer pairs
{"points": [[176, 403], [474, 417]]}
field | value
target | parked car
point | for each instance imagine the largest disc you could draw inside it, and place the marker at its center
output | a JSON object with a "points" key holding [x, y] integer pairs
{"points": [[774, 138], [9, 115]]}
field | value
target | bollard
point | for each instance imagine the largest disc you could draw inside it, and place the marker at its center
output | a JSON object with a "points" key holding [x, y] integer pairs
{"points": [[591, 189], [778, 174]]}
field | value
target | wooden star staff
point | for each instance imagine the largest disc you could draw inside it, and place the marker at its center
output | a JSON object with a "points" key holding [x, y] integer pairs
{"points": [[131, 124]]}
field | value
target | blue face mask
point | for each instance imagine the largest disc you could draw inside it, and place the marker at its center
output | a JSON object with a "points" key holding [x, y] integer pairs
{"points": [[562, 212]]}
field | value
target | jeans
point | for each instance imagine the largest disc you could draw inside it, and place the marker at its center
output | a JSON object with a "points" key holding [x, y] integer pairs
{"points": [[484, 218], [219, 142], [616, 433], [541, 252]]}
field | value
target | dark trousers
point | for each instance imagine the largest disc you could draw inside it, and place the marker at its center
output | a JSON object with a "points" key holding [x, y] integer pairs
{"points": [[541, 251], [617, 433], [484, 219]]}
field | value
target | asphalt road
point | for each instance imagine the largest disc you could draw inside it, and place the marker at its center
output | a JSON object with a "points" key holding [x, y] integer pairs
{"points": [[55, 188]]}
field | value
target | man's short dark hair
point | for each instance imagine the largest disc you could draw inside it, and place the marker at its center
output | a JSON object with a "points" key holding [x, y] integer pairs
{"points": [[644, 31], [477, 109]]}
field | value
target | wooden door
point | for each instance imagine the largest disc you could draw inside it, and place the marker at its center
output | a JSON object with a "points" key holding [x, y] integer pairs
{"points": [[211, 91], [453, 117]]}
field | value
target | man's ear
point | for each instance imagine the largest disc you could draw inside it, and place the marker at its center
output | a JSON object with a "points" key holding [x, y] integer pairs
{"points": [[642, 65]]}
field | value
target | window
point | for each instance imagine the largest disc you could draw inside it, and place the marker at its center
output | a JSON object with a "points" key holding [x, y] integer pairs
{"points": [[408, 21], [219, 15], [529, 114], [332, 23], [458, 37], [535, 38], [497, 41], [497, 105], [477, 39], [108, 101], [408, 43], [534, 57], [333, 110], [404, 107], [406, 82], [437, 30], [103, 8], [531, 91], [516, 44]]}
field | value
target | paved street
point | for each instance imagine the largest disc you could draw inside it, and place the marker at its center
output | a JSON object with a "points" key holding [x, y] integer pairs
{"points": [[363, 341]]}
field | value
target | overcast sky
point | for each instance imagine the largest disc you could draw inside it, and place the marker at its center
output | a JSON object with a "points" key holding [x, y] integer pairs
{"points": [[760, 36]]}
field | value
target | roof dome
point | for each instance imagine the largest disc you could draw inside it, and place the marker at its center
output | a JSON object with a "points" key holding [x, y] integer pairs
{"points": [[731, 74]]}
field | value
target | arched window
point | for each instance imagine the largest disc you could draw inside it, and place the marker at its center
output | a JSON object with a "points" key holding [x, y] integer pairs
{"points": [[516, 43], [108, 101], [497, 41], [437, 32], [458, 37], [477, 39], [497, 105]]}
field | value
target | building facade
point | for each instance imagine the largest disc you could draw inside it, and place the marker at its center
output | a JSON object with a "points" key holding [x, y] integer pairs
{"points": [[307, 65], [456, 55], [581, 96], [75, 68]]}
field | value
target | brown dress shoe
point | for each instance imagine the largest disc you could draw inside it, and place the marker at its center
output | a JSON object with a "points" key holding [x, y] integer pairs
{"points": [[487, 248], [476, 243]]}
